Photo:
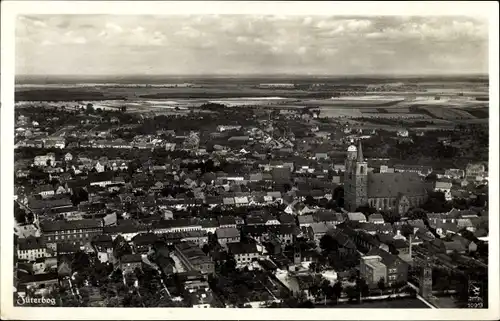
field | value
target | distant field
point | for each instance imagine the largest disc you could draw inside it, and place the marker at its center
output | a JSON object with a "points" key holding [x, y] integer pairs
{"points": [[447, 113]]}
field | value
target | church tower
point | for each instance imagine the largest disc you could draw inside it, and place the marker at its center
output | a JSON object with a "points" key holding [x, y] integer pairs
{"points": [[355, 179]]}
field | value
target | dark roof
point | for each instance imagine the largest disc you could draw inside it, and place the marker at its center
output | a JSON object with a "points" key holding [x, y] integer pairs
{"points": [[210, 222], [145, 239], [36, 204], [227, 232], [241, 248], [30, 243], [327, 216], [103, 240], [227, 220], [342, 238], [124, 228], [67, 248], [71, 225], [131, 258], [388, 259], [395, 184], [100, 177], [176, 223], [287, 219], [29, 278]]}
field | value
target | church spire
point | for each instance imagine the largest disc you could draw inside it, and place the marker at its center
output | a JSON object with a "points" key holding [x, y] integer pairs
{"points": [[360, 153]]}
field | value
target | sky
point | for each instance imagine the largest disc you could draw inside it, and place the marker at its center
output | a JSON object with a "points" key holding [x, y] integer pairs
{"points": [[249, 44]]}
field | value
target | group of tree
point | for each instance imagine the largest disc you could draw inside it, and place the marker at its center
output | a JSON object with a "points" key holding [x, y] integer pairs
{"points": [[324, 290]]}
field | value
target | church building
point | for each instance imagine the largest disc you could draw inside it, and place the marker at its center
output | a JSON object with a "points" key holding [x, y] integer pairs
{"points": [[396, 192]]}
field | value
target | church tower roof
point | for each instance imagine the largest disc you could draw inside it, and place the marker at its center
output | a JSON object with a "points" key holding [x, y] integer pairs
{"points": [[360, 153]]}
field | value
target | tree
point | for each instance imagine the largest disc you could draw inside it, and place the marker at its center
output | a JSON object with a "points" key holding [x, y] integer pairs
{"points": [[417, 214], [338, 196], [121, 247], [117, 276], [381, 285], [328, 244], [310, 201], [352, 293], [337, 290], [89, 108], [366, 209], [432, 177], [81, 261], [362, 287], [19, 214], [406, 230], [206, 248]]}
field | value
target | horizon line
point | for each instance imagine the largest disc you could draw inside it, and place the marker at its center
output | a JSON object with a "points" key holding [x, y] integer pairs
{"points": [[257, 75]]}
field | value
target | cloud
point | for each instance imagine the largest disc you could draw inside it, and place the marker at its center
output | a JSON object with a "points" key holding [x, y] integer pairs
{"points": [[251, 43], [189, 32], [79, 40], [307, 21], [301, 50], [114, 27]]}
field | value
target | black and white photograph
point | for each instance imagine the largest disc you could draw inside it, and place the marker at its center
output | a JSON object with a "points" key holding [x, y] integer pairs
{"points": [[268, 161]]}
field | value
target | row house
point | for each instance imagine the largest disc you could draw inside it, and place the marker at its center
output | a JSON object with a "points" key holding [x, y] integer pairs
{"points": [[179, 225], [54, 143], [45, 191], [199, 237], [103, 247], [193, 258], [244, 253], [127, 231], [31, 248], [227, 235], [75, 232], [45, 160]]}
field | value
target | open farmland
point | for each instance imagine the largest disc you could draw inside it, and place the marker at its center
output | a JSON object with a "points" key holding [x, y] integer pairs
{"points": [[439, 100], [447, 113]]}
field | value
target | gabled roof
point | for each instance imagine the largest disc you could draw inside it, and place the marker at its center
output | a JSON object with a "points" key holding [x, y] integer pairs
{"points": [[356, 216], [226, 220], [305, 219], [145, 239], [287, 219], [388, 259], [342, 239], [31, 243], [393, 184], [131, 258], [71, 225], [242, 248], [375, 217], [227, 232]]}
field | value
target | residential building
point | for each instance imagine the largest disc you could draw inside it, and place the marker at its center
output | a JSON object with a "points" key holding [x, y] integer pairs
{"points": [[193, 258], [397, 269], [474, 170], [372, 270], [444, 187], [227, 235], [74, 232], [45, 160], [129, 262], [31, 248], [244, 253]]}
